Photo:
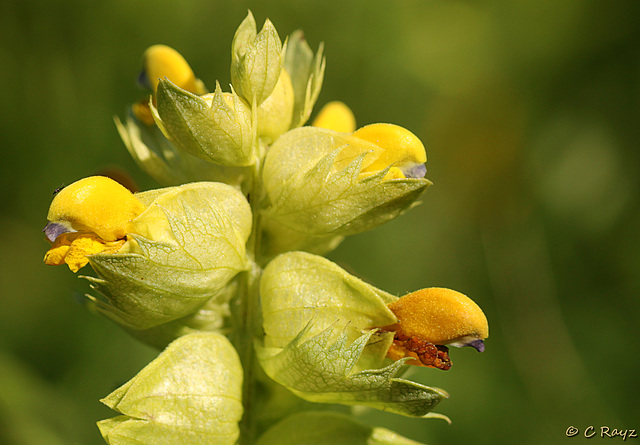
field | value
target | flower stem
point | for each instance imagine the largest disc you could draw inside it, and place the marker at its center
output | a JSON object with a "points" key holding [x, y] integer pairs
{"points": [[249, 317]]}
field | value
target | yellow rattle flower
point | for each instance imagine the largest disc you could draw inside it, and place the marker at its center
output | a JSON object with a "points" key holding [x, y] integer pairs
{"points": [[402, 150], [431, 319], [90, 216], [159, 62]]}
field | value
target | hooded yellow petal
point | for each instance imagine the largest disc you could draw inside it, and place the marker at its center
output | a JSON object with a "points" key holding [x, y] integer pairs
{"points": [[440, 316], [401, 148], [96, 204], [162, 61]]}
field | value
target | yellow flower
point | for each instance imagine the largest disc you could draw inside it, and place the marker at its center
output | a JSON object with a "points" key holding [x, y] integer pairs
{"points": [[90, 216], [159, 62], [402, 150], [431, 319], [336, 116]]}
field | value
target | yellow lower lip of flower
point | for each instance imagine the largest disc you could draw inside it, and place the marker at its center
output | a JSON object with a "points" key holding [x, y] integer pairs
{"points": [[74, 249]]}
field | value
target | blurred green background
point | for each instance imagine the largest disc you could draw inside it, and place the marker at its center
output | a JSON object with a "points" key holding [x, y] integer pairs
{"points": [[530, 115]]}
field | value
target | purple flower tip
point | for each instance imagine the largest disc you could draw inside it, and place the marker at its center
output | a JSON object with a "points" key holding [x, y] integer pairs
{"points": [[478, 345], [417, 171], [54, 230]]}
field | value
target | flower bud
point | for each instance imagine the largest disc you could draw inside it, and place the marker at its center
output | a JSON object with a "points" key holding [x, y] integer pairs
{"points": [[220, 131], [431, 318], [256, 60], [275, 113], [336, 116]]}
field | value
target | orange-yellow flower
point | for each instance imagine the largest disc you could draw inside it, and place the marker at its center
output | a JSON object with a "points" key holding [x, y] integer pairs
{"points": [[431, 319]]}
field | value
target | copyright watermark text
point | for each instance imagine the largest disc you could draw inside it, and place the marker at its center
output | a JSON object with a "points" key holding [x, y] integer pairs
{"points": [[603, 432]]}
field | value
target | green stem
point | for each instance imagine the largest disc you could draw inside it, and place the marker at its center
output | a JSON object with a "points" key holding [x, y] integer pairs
{"points": [[247, 353], [249, 316]]}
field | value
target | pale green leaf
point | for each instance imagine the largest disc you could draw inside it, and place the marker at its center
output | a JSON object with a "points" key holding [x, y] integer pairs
{"points": [[328, 428], [191, 393], [322, 370], [187, 245]]}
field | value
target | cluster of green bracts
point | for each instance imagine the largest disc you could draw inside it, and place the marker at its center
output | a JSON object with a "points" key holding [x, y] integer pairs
{"points": [[222, 269]]}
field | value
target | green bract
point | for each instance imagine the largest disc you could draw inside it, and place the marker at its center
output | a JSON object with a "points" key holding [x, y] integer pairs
{"points": [[278, 238], [222, 132], [212, 316], [311, 192], [319, 339], [299, 288], [256, 60], [189, 243], [191, 393], [169, 165], [325, 371], [307, 74]]}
